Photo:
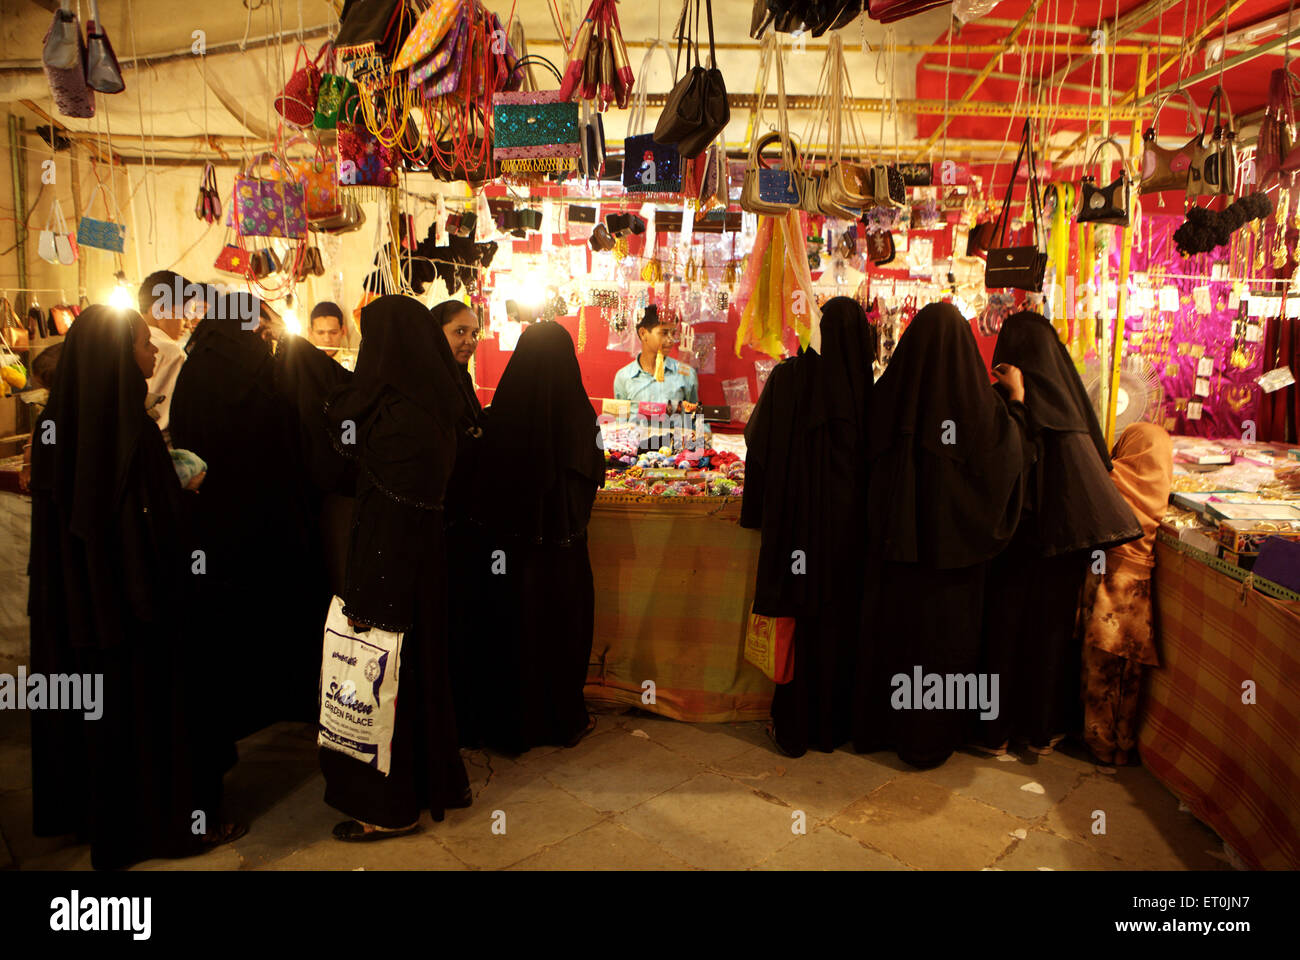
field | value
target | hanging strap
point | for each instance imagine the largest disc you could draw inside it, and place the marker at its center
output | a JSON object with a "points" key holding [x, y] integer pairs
{"points": [[636, 116], [1003, 222]]}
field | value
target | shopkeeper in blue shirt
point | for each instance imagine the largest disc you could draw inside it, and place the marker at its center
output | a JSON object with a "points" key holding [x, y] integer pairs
{"points": [[638, 380]]}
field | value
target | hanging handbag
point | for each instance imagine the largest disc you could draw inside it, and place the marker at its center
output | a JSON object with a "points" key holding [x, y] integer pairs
{"points": [[269, 206], [208, 206], [768, 190], [1277, 131], [101, 234], [55, 244], [841, 187], [13, 331], [916, 174], [103, 73], [1213, 171], [980, 238], [448, 48], [364, 163], [535, 131], [297, 101], [433, 26], [64, 59], [648, 166], [880, 247], [1019, 267], [351, 217], [1164, 168], [591, 131], [1110, 204], [696, 110], [319, 178], [232, 259]]}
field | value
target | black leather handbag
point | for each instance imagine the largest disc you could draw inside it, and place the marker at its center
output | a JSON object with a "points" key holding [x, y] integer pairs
{"points": [[1105, 204], [696, 110], [1019, 267], [916, 174]]}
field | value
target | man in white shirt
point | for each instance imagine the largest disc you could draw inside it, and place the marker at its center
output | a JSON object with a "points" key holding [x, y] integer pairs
{"points": [[163, 297]]}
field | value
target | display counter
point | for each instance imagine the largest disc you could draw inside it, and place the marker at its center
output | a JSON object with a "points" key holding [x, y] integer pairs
{"points": [[1235, 764], [674, 584]]}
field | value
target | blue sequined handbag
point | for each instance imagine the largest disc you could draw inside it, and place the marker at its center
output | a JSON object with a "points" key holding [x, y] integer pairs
{"points": [[534, 131], [101, 234]]}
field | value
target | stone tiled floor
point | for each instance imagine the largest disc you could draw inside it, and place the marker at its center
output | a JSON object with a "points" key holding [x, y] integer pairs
{"points": [[647, 793]]}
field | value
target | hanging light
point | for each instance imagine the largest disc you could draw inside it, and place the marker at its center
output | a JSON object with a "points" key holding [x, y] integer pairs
{"points": [[291, 322], [121, 298]]}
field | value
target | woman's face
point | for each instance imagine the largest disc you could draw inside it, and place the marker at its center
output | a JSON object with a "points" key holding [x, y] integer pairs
{"points": [[146, 354], [462, 335]]}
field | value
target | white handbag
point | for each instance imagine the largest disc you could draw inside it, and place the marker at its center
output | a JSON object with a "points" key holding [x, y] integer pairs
{"points": [[55, 243]]}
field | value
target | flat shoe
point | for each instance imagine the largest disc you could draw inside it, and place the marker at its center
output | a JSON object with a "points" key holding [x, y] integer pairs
{"points": [[350, 831]]}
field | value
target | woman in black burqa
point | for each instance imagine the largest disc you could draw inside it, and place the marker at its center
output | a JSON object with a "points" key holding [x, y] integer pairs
{"points": [[806, 490], [111, 574], [948, 456], [1071, 514], [256, 518], [541, 465], [466, 552], [399, 418]]}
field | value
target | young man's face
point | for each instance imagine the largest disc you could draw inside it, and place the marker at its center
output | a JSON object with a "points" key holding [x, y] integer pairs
{"points": [[462, 335], [658, 338], [326, 332]]}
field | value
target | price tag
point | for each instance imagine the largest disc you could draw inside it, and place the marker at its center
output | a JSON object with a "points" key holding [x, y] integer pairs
{"points": [[1275, 379], [1254, 333], [1254, 307], [548, 223], [1201, 297], [1202, 388], [1193, 410], [1168, 299], [1205, 367]]}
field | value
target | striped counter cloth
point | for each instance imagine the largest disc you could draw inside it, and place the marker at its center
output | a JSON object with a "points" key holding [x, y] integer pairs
{"points": [[1235, 764], [674, 584]]}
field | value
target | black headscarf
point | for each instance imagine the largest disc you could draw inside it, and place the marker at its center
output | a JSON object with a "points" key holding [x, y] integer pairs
{"points": [[947, 456], [96, 409], [844, 371], [442, 315], [1054, 394], [541, 423], [403, 406], [305, 377], [1075, 504]]}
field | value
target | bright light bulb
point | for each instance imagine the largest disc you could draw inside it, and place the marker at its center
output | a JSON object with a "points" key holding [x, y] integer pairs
{"points": [[120, 298], [291, 322]]}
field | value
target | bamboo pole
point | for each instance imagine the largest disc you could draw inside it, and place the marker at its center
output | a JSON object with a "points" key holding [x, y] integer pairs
{"points": [[1121, 295]]}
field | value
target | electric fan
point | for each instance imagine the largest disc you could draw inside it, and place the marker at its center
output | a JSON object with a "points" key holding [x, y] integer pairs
{"points": [[1140, 396]]}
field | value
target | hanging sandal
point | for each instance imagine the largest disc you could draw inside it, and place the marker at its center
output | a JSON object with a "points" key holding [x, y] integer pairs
{"points": [[354, 831]]}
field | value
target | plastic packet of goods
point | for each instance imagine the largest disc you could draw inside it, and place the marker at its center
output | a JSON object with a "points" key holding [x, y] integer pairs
{"points": [[358, 690]]}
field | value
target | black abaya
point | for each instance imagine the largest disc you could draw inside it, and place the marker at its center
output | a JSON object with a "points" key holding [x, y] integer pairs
{"points": [[807, 440], [946, 485], [539, 613], [1071, 510], [401, 412], [255, 517], [110, 571]]}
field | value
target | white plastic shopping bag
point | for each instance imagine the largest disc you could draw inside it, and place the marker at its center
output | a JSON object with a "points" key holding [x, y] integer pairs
{"points": [[358, 690]]}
